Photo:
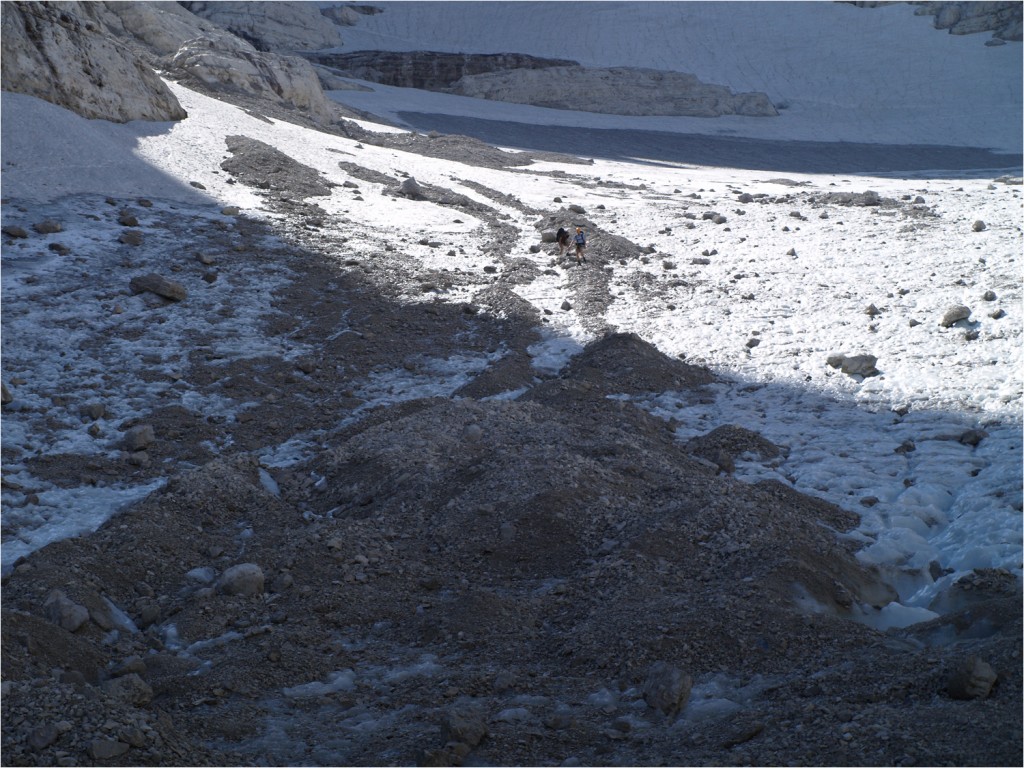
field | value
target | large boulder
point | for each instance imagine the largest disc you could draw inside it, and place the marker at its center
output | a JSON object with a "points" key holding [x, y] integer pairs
{"points": [[64, 54]]}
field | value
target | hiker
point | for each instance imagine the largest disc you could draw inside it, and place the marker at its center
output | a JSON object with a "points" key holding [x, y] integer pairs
{"points": [[581, 245], [563, 241]]}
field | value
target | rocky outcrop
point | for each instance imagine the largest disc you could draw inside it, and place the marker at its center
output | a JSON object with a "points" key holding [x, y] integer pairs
{"points": [[275, 26], [161, 27], [187, 45], [62, 53], [616, 91], [225, 63], [429, 70], [553, 83], [1003, 20]]}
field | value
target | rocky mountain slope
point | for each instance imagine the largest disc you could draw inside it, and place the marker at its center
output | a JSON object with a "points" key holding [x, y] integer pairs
{"points": [[441, 581], [454, 581]]}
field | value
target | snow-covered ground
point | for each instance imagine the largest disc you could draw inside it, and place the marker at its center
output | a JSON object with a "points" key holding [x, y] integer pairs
{"points": [[838, 73], [945, 502]]}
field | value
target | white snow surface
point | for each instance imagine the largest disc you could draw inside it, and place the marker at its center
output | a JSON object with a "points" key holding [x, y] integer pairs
{"points": [[837, 72], [945, 503]]}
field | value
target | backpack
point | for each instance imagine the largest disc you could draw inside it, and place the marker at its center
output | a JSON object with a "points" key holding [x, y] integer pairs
{"points": [[562, 235]]}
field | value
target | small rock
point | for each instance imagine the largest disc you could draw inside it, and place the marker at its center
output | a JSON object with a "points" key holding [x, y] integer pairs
{"points": [[139, 437], [48, 227], [230, 210], [127, 219], [978, 226], [5, 394], [43, 736], [12, 230], [577, 209], [93, 411], [973, 436], [130, 237], [667, 688], [464, 724], [791, 252], [566, 306], [65, 613], [245, 579], [130, 689], [751, 343], [410, 188], [972, 679], [106, 749], [954, 315], [989, 296], [872, 311], [161, 286], [855, 365]]}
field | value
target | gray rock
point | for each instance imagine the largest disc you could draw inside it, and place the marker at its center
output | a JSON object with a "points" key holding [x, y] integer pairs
{"points": [[107, 749], [48, 227], [954, 315], [12, 230], [410, 188], [979, 226], [161, 286], [5, 394], [989, 296], [139, 437], [464, 724], [971, 679], [577, 208], [566, 306], [131, 237], [130, 689], [64, 612], [204, 575], [667, 688], [855, 365], [43, 736], [245, 579]]}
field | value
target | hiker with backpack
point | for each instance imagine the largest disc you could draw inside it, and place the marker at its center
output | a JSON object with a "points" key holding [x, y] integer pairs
{"points": [[581, 245], [562, 237]]}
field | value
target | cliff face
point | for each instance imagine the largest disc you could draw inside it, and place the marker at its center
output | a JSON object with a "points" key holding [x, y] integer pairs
{"points": [[616, 91], [99, 60], [62, 53], [275, 26], [429, 70], [553, 83]]}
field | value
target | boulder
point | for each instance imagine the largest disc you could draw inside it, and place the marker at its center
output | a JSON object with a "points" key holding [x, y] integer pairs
{"points": [[161, 286], [245, 579], [64, 612], [855, 365], [139, 437], [971, 679], [954, 315], [667, 688]]}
